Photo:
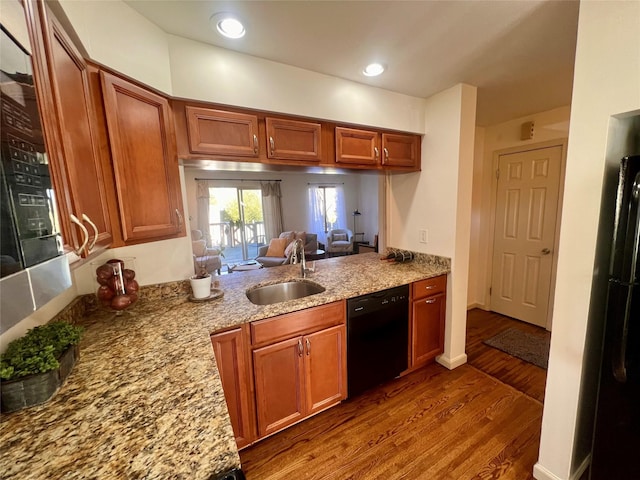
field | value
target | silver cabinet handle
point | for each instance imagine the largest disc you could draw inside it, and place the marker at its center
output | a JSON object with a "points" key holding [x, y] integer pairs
{"points": [[431, 300], [377, 152], [255, 143], [430, 287], [545, 251], [386, 154], [273, 144], [308, 347], [85, 234], [180, 221], [86, 218], [299, 347]]}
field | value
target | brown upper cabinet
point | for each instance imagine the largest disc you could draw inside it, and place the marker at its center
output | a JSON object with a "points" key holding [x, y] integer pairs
{"points": [[400, 150], [357, 147], [371, 149], [79, 172], [293, 140], [220, 132], [145, 162]]}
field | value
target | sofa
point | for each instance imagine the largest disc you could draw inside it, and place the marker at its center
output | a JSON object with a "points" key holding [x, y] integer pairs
{"points": [[279, 250], [207, 258]]}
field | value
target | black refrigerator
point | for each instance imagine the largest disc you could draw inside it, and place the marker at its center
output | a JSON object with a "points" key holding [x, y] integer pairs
{"points": [[616, 439]]}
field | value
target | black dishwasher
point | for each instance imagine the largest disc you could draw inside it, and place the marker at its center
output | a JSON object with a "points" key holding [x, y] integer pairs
{"points": [[377, 338]]}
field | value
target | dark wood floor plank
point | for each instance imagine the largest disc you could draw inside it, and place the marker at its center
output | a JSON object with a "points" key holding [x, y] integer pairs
{"points": [[480, 421]]}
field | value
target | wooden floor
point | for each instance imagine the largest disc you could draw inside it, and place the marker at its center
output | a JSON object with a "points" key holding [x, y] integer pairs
{"points": [[433, 424]]}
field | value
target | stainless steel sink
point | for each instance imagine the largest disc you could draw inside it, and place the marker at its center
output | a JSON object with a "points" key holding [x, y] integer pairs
{"points": [[281, 292]]}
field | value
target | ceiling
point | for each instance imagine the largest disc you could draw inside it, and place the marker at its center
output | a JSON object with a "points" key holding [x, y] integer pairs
{"points": [[519, 54]]}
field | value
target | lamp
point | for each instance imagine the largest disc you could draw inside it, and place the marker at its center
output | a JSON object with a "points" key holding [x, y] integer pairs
{"points": [[355, 214]]}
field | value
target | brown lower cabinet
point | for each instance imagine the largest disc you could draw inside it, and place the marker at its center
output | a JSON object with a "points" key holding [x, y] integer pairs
{"points": [[277, 371], [428, 312], [231, 348], [298, 377]]}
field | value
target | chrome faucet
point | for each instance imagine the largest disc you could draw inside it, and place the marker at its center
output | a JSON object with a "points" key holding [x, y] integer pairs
{"points": [[299, 244]]}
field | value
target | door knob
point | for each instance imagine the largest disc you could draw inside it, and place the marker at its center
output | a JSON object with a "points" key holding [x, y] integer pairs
{"points": [[545, 251]]}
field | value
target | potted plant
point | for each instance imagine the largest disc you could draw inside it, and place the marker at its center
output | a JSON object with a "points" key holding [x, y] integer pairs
{"points": [[201, 281], [36, 365]]}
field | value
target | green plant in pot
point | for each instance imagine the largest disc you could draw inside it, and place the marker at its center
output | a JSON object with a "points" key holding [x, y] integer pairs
{"points": [[34, 366]]}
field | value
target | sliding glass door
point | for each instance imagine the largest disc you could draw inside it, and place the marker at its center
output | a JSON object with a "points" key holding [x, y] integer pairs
{"points": [[236, 221]]}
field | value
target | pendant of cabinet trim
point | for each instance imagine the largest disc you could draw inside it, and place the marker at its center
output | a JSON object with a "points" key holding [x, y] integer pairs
{"points": [[144, 158]]}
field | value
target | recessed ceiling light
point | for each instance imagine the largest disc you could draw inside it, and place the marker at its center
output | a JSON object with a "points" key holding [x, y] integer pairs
{"points": [[373, 69], [227, 25]]}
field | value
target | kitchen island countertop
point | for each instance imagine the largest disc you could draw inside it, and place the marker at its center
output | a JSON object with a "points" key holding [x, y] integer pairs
{"points": [[145, 399]]}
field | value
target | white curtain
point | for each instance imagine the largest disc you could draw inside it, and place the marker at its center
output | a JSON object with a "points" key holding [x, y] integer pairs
{"points": [[272, 209], [202, 197], [316, 213], [326, 210], [341, 209]]}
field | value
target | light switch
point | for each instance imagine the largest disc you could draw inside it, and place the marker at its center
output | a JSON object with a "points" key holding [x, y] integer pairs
{"points": [[424, 236]]}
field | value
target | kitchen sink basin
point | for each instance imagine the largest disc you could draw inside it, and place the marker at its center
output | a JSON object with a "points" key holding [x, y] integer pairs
{"points": [[281, 292]]}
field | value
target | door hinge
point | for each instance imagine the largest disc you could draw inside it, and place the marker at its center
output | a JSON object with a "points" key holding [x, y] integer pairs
{"points": [[498, 174]]}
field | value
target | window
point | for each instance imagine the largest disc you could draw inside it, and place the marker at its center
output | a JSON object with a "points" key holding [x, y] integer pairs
{"points": [[326, 209]]}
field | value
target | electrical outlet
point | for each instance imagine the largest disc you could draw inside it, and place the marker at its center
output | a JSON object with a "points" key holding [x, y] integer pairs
{"points": [[424, 236]]}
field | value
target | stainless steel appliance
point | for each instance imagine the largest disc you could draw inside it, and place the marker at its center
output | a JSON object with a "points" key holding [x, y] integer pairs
{"points": [[32, 268], [616, 441], [377, 338]]}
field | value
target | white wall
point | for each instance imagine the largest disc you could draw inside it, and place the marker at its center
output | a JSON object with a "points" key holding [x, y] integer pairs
{"points": [[438, 199], [116, 35], [549, 125], [217, 75], [606, 83]]}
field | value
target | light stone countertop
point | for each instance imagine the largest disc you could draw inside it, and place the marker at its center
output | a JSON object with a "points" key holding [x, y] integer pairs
{"points": [[145, 399]]}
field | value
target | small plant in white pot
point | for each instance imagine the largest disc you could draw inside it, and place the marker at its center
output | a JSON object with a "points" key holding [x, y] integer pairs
{"points": [[201, 282]]}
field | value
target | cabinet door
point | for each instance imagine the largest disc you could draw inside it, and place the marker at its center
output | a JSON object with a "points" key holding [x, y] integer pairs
{"points": [[76, 121], [293, 140], [427, 329], [357, 147], [325, 368], [400, 150], [144, 159], [279, 385], [219, 132], [230, 352]]}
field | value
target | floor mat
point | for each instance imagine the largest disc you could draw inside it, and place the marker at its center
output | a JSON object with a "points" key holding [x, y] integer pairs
{"points": [[526, 346]]}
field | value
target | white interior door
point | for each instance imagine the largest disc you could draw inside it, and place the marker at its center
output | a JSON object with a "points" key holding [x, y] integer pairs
{"points": [[526, 207]]}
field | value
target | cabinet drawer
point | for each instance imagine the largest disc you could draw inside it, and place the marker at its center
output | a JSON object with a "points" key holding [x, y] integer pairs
{"points": [[430, 286], [270, 330]]}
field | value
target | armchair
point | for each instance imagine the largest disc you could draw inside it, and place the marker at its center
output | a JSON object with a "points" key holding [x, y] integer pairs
{"points": [[203, 256], [340, 241]]}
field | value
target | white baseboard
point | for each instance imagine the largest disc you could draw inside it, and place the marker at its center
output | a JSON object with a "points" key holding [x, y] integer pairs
{"points": [[541, 473], [474, 305], [452, 363]]}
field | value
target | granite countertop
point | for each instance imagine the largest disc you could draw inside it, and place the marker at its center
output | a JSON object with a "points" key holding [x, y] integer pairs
{"points": [[145, 399]]}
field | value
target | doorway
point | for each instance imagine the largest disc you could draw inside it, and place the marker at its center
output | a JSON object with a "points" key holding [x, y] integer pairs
{"points": [[526, 223], [236, 221]]}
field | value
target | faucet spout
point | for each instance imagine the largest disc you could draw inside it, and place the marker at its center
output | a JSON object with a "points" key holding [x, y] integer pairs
{"points": [[299, 244]]}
